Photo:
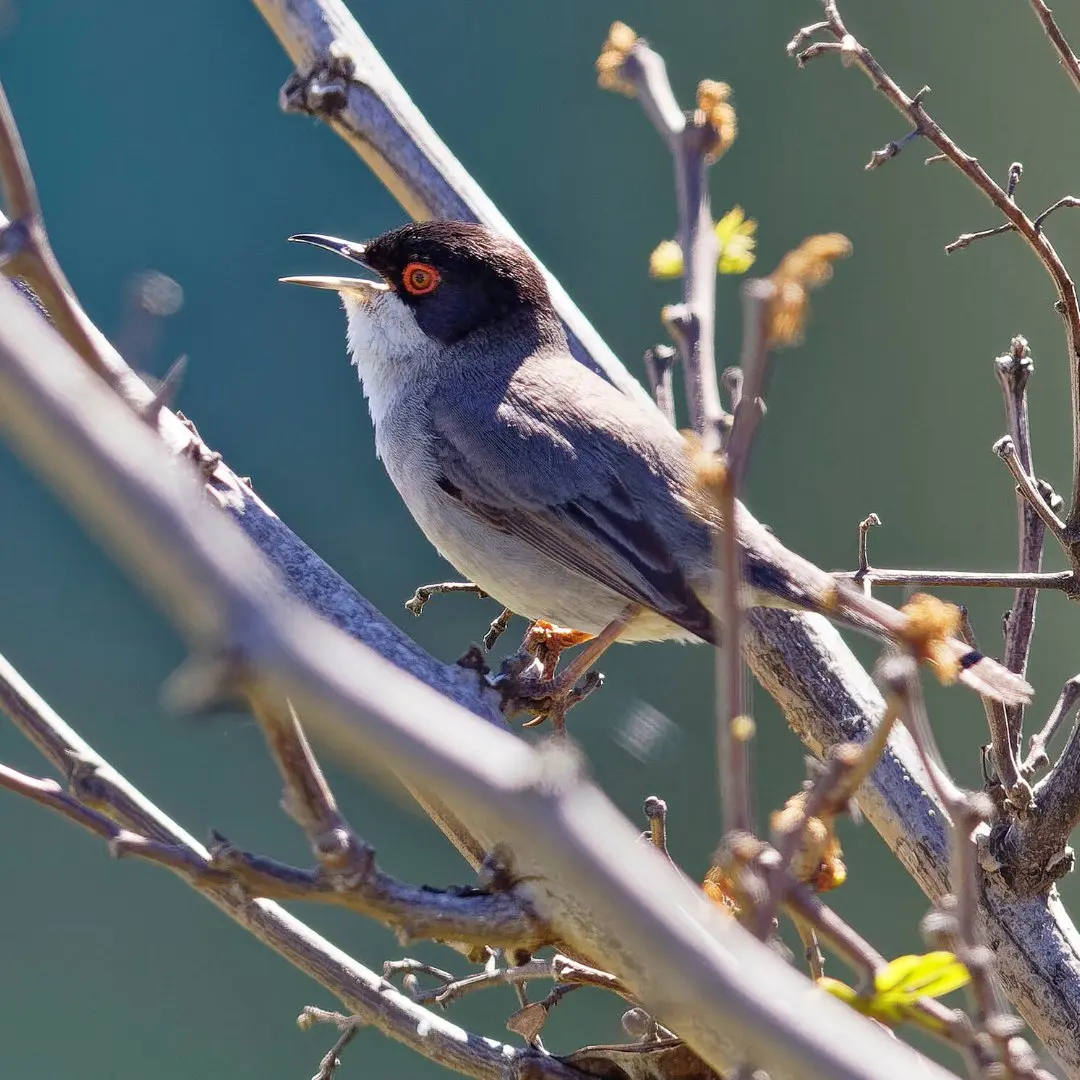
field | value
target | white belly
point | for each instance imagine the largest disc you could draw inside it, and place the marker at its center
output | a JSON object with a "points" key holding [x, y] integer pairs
{"points": [[512, 571]]}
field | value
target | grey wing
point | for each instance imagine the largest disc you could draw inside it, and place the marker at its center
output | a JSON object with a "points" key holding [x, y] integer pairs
{"points": [[567, 469]]}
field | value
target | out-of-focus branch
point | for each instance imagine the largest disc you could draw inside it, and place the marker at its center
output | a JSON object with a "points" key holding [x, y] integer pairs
{"points": [[578, 861], [629, 64], [141, 828]]}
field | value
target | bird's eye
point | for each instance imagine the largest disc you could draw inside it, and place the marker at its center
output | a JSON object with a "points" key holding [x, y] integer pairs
{"points": [[420, 278]]}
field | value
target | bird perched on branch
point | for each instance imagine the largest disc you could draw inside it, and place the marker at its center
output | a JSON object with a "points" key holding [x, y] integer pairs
{"points": [[563, 498]]}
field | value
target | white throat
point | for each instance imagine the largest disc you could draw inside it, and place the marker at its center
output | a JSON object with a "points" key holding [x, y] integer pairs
{"points": [[387, 348]]}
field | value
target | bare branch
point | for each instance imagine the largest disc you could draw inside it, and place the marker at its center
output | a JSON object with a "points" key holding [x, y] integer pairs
{"points": [[349, 1026], [869, 522], [974, 579], [1037, 757], [1013, 371], [855, 53], [692, 323], [1069, 59], [1005, 448], [470, 916]]}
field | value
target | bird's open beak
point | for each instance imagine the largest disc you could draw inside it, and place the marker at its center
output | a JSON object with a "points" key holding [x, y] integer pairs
{"points": [[351, 251]]}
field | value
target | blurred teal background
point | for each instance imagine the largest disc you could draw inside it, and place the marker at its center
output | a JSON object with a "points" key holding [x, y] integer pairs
{"points": [[157, 143]]}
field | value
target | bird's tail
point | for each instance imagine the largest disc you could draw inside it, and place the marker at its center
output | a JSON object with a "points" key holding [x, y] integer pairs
{"points": [[926, 626]]}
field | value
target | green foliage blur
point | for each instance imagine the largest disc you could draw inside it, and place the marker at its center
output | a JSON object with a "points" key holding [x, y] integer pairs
{"points": [[157, 142]]}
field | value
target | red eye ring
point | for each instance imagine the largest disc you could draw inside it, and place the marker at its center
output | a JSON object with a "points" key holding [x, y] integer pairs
{"points": [[420, 278]]}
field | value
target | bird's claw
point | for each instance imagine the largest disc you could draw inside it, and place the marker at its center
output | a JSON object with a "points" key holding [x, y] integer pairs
{"points": [[525, 687]]}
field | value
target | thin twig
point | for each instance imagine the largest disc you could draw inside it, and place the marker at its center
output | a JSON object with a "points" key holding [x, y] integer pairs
{"points": [[850, 946], [692, 323], [854, 52], [899, 678], [1013, 370], [967, 239], [345, 859], [869, 522], [467, 915], [1069, 59], [757, 294], [348, 1026], [1068, 201], [734, 726], [1005, 448], [497, 628], [506, 976], [1037, 756], [975, 579], [121, 841]]}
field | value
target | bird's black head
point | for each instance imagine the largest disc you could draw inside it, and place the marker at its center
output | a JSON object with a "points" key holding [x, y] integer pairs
{"points": [[458, 277]]}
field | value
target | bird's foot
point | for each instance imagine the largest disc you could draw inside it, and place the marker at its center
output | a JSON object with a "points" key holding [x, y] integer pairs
{"points": [[525, 686]]}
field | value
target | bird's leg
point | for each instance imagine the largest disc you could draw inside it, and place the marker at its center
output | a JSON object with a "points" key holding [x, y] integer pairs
{"points": [[596, 648], [547, 642]]}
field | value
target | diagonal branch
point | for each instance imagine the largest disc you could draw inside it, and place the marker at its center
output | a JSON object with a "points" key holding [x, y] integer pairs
{"points": [[1069, 60]]}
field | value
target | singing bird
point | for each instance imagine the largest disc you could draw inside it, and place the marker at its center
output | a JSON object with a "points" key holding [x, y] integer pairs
{"points": [[562, 497]]}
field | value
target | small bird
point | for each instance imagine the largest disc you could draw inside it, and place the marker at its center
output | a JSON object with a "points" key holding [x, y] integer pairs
{"points": [[561, 497]]}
